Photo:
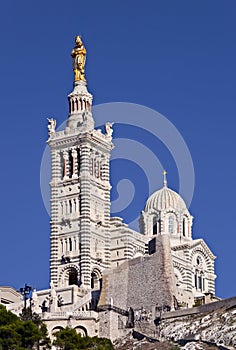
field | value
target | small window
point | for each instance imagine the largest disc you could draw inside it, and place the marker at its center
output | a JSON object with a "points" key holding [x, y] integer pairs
{"points": [[70, 206], [171, 224], [70, 244], [184, 227], [156, 226], [200, 282], [73, 277], [155, 229], [195, 280]]}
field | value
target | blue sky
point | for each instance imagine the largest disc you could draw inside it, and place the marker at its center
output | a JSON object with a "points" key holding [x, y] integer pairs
{"points": [[176, 57]]}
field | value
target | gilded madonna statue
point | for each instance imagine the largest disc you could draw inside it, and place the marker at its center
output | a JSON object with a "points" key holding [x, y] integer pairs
{"points": [[79, 57]]}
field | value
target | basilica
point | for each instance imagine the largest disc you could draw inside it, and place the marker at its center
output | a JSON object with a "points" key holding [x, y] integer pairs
{"points": [[99, 267]]}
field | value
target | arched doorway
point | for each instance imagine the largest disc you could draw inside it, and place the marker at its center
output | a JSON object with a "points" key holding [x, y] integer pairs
{"points": [[73, 277], [55, 330], [96, 279], [81, 330], [69, 276]]}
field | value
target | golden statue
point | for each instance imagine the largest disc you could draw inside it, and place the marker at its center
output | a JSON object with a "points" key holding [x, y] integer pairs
{"points": [[79, 57]]}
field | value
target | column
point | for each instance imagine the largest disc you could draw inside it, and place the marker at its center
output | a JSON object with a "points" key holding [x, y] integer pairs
{"points": [[75, 163], [66, 165]]}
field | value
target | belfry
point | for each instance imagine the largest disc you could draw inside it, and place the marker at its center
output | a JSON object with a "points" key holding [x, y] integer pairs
{"points": [[80, 190]]}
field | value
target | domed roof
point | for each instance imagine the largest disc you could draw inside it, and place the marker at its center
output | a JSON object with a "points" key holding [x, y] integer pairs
{"points": [[165, 198]]}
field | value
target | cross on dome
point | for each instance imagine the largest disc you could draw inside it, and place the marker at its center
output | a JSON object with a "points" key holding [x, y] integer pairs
{"points": [[164, 180]]}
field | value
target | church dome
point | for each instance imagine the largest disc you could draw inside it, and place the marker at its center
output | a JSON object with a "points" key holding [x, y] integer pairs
{"points": [[164, 199]]}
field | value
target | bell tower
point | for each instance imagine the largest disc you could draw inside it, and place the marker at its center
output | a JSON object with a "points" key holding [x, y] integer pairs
{"points": [[80, 189]]}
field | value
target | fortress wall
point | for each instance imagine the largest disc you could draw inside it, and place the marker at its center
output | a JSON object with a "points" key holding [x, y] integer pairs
{"points": [[115, 286], [112, 325], [206, 308], [143, 281]]}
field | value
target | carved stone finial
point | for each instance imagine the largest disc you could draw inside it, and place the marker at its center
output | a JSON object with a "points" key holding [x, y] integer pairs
{"points": [[51, 126], [109, 130]]}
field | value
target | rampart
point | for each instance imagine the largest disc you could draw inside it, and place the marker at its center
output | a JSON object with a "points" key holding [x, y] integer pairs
{"points": [[143, 281], [206, 308]]}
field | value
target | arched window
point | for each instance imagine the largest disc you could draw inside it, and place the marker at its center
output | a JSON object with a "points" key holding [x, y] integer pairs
{"points": [[70, 206], [70, 163], [199, 281], [95, 280], [82, 331], [154, 231], [55, 330], [70, 244], [156, 226], [73, 277], [171, 224]]}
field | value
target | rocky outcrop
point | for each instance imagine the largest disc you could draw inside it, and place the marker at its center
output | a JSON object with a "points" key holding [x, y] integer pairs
{"points": [[217, 327], [202, 331]]}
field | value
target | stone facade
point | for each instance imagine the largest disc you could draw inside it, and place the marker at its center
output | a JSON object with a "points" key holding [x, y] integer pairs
{"points": [[80, 196], [8, 295], [96, 259], [144, 281]]}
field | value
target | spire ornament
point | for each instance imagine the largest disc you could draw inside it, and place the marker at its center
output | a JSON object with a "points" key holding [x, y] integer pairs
{"points": [[164, 180], [79, 58], [51, 126]]}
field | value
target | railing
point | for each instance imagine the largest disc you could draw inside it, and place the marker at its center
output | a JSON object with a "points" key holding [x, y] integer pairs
{"points": [[113, 308], [83, 301], [66, 315], [147, 329]]}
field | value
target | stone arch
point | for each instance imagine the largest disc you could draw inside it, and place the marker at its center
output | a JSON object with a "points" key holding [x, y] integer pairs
{"points": [[55, 330], [69, 275], [204, 255], [96, 278], [81, 330], [201, 265]]}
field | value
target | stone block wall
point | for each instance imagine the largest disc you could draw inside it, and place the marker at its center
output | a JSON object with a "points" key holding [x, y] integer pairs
{"points": [[112, 325], [143, 281]]}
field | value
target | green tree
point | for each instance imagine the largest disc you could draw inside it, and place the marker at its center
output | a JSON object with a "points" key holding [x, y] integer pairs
{"points": [[18, 334], [68, 339], [30, 334], [9, 337], [99, 344], [28, 315], [6, 317], [45, 341]]}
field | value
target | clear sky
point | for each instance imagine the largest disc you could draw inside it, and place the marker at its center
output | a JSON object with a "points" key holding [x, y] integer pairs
{"points": [[176, 57]]}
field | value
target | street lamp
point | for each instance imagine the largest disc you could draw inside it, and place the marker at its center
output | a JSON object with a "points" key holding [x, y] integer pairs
{"points": [[25, 291]]}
